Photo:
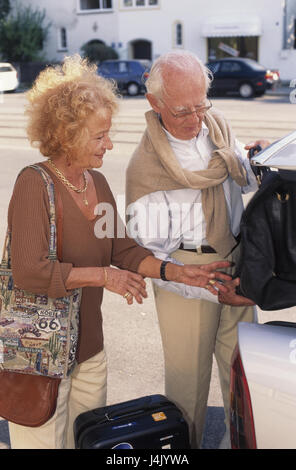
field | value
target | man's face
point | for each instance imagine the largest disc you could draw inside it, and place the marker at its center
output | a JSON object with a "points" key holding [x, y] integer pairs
{"points": [[183, 93]]}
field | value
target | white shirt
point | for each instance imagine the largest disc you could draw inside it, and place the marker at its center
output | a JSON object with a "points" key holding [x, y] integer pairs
{"points": [[163, 219]]}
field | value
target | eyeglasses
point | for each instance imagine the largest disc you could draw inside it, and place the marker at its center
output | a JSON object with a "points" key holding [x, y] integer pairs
{"points": [[199, 110]]}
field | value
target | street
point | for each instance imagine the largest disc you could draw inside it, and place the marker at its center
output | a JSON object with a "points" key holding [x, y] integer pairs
{"points": [[132, 336]]}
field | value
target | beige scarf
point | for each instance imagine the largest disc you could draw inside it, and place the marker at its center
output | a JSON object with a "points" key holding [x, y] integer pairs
{"points": [[154, 167]]}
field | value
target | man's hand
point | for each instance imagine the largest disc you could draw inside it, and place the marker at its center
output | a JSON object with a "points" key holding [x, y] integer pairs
{"points": [[231, 298], [263, 144], [200, 275]]}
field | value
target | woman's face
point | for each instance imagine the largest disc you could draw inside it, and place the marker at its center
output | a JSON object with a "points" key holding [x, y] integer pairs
{"points": [[98, 126]]}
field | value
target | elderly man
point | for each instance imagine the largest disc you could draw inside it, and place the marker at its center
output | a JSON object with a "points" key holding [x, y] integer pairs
{"points": [[184, 195]]}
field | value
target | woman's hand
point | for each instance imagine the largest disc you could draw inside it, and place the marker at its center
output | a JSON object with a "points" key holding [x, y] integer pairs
{"points": [[126, 283], [203, 275], [230, 297]]}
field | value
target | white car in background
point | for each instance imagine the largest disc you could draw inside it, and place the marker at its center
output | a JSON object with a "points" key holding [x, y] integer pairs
{"points": [[263, 375], [8, 77]]}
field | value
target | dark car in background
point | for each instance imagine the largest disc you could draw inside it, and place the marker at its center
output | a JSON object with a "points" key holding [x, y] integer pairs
{"points": [[130, 75], [243, 76]]}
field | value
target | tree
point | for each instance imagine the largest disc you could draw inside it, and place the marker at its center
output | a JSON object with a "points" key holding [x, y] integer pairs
{"points": [[4, 9], [22, 34], [97, 51]]}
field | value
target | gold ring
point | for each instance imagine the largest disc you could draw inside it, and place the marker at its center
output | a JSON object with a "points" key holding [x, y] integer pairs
{"points": [[212, 282], [126, 295]]}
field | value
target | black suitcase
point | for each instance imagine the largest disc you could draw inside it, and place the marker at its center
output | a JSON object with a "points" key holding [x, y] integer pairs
{"points": [[151, 422]]}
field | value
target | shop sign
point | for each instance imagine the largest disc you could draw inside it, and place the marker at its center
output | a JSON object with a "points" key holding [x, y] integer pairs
{"points": [[228, 49]]}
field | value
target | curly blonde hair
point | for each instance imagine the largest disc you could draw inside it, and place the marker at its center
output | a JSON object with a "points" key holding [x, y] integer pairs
{"points": [[61, 100]]}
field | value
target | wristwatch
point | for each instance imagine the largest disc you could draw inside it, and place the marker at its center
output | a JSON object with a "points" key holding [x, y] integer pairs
{"points": [[162, 270]]}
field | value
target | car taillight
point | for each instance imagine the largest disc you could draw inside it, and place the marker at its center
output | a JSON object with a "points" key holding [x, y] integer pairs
{"points": [[272, 75], [242, 428], [146, 75]]}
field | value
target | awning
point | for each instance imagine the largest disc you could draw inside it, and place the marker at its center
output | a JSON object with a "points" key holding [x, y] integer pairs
{"points": [[219, 26]]}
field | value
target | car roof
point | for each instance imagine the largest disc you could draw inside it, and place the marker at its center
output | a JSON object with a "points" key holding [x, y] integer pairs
{"points": [[240, 59], [4, 63], [120, 60]]}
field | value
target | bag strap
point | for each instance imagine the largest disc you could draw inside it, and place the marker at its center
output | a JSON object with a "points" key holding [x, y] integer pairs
{"points": [[56, 215], [5, 260], [59, 225], [56, 226]]}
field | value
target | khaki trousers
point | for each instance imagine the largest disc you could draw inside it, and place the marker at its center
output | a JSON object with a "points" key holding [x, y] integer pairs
{"points": [[84, 390], [192, 331]]}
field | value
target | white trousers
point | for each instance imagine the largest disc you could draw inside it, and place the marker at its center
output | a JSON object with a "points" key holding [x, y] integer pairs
{"points": [[192, 332], [84, 390]]}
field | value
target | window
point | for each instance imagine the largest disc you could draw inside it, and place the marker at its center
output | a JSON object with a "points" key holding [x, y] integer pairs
{"points": [[230, 67], [85, 5], [62, 39], [247, 47], [139, 3], [122, 67], [178, 34]]}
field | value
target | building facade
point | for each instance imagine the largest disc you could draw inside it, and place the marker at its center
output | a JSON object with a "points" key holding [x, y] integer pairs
{"points": [[144, 29]]}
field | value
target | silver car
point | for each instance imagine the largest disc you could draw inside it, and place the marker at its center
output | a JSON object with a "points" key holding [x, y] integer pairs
{"points": [[263, 375]]}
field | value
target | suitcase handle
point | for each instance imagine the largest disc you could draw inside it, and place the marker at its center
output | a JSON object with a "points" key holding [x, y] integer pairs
{"points": [[128, 411], [124, 414]]}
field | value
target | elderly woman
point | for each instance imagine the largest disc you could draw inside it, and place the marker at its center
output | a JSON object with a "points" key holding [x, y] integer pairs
{"points": [[70, 112]]}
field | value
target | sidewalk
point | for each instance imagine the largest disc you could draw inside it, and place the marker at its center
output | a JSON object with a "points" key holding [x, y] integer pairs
{"points": [[281, 90]]}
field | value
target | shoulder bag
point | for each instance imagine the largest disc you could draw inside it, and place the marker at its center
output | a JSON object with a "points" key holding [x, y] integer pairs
{"points": [[38, 336]]}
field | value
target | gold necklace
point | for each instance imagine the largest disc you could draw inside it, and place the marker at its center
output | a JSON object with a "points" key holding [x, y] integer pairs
{"points": [[70, 185]]}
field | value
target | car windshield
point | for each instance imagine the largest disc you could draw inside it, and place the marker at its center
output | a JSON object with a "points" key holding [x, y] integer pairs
{"points": [[108, 67], [213, 66], [5, 68]]}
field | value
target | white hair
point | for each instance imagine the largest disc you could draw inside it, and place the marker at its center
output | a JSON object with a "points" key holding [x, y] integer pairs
{"points": [[180, 60]]}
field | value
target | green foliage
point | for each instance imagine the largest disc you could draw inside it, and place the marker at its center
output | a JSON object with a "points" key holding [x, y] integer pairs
{"points": [[4, 9], [97, 51], [22, 34]]}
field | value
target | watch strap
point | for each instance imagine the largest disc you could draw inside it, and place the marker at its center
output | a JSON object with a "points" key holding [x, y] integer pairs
{"points": [[162, 270]]}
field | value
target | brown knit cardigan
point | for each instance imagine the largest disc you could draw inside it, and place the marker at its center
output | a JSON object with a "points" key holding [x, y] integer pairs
{"points": [[28, 218]]}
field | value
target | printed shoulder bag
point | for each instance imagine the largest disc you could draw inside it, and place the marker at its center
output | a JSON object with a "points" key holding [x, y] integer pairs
{"points": [[38, 334]]}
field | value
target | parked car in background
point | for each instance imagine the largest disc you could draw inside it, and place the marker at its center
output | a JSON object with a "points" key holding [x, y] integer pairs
{"points": [[243, 76], [130, 75], [8, 77]]}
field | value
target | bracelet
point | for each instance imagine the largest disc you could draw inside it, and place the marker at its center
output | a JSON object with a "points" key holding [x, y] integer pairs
{"points": [[162, 270], [106, 276]]}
